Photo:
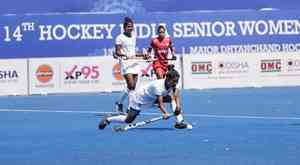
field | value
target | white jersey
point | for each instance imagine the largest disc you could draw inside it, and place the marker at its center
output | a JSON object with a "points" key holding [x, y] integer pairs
{"points": [[146, 95], [128, 45]]}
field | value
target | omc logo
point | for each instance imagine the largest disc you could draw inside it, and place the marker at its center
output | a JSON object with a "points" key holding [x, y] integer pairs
{"points": [[201, 67], [272, 65]]}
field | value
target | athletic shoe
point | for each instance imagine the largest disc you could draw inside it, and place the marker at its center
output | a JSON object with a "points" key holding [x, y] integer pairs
{"points": [[119, 107], [103, 123], [181, 125]]}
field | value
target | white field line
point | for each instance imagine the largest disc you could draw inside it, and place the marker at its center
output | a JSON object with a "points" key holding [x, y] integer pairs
{"points": [[155, 114]]}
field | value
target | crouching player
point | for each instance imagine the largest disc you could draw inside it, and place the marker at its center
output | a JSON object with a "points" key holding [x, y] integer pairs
{"points": [[153, 93]]}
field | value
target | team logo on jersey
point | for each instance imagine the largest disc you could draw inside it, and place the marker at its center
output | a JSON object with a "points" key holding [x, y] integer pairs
{"points": [[204, 67], [271, 65], [44, 73]]}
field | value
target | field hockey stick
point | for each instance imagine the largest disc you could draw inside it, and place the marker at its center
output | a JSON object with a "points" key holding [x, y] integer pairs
{"points": [[141, 58], [122, 128], [102, 114], [135, 58]]}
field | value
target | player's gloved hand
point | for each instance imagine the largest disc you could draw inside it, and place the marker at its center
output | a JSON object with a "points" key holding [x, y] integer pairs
{"points": [[166, 116], [147, 56], [174, 57], [124, 57], [177, 111], [115, 56]]}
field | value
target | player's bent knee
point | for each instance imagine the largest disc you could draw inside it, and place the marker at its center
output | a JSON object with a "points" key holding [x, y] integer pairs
{"points": [[131, 115], [129, 120]]}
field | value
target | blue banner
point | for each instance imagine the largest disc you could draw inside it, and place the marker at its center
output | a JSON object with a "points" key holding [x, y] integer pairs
{"points": [[138, 6], [60, 35]]}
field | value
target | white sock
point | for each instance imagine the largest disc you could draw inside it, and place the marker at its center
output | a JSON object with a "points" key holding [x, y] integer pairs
{"points": [[117, 119], [179, 118]]}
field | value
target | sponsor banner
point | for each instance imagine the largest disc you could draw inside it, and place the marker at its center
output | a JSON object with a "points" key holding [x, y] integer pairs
{"points": [[118, 81], [219, 71], [68, 75], [146, 74], [245, 70], [13, 77], [279, 69], [91, 34], [44, 75], [89, 74]]}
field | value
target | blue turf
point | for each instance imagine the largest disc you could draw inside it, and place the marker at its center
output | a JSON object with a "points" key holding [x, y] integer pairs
{"points": [[36, 138]]}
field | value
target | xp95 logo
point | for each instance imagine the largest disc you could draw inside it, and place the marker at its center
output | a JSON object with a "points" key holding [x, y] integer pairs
{"points": [[82, 72]]}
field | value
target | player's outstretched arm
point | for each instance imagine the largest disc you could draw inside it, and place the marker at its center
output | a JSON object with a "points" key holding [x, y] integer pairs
{"points": [[161, 106]]}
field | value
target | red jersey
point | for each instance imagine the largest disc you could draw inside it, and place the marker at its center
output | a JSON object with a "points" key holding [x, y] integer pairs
{"points": [[161, 51], [161, 48]]}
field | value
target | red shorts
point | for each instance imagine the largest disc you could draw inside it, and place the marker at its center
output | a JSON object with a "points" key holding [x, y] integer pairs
{"points": [[160, 67]]}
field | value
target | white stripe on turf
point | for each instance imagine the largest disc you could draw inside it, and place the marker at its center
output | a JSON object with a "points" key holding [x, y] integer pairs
{"points": [[156, 114]]}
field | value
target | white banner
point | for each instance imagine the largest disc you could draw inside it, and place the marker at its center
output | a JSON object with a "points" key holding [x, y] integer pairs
{"points": [[86, 74], [218, 71], [68, 75], [13, 77], [44, 75], [118, 81], [279, 69], [242, 70]]}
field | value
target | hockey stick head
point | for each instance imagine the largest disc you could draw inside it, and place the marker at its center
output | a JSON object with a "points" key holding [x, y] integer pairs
{"points": [[119, 128]]}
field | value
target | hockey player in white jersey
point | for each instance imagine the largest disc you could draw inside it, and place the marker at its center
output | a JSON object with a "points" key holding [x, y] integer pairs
{"points": [[154, 93]]}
